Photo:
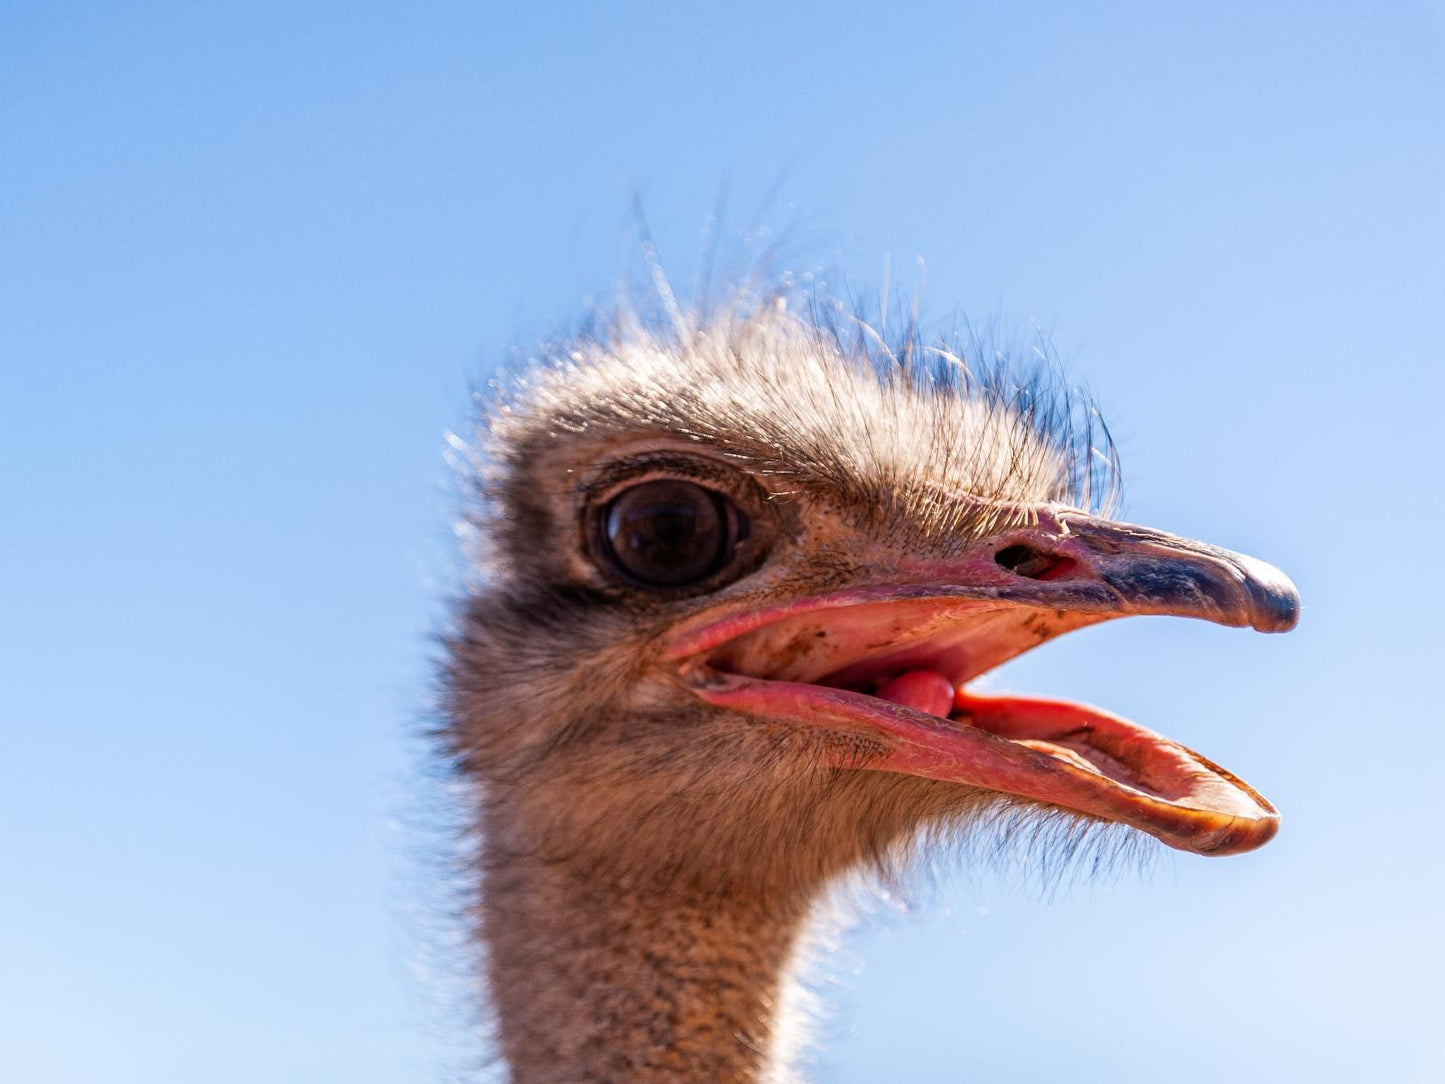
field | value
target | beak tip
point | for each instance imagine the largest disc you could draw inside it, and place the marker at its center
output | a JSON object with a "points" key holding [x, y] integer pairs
{"points": [[1275, 598]]}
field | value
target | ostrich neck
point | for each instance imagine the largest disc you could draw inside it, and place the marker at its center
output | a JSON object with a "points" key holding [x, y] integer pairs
{"points": [[593, 981]]}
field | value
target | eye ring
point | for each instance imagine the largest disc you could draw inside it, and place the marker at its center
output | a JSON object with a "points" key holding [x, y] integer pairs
{"points": [[670, 533]]}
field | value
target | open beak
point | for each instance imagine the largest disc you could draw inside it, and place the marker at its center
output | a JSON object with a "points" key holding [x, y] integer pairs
{"points": [[890, 662]]}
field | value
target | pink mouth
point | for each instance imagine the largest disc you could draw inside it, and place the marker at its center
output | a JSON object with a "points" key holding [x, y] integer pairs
{"points": [[890, 664]]}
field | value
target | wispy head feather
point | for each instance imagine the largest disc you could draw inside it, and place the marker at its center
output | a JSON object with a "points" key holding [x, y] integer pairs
{"points": [[805, 390]]}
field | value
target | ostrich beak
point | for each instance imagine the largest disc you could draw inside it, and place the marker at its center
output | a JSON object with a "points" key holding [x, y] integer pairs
{"points": [[885, 665]]}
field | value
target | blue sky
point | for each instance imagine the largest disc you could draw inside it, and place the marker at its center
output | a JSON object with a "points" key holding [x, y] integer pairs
{"points": [[255, 256]]}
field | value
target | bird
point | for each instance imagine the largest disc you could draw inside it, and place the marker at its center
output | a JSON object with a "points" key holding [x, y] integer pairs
{"points": [[738, 571]]}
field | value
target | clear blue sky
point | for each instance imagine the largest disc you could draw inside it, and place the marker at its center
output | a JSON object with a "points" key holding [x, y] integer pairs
{"points": [[251, 258]]}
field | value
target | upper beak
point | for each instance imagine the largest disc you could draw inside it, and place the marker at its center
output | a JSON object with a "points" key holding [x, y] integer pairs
{"points": [[1137, 570], [1072, 569]]}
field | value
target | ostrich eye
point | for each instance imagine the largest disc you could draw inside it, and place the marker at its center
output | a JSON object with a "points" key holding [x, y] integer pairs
{"points": [[669, 533]]}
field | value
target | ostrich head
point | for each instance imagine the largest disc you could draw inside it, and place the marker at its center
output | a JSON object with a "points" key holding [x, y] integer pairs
{"points": [[738, 578]]}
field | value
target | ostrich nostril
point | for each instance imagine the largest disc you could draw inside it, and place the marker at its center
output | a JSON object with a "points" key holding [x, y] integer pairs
{"points": [[1034, 564]]}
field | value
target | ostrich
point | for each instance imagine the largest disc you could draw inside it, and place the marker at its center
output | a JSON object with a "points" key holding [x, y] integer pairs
{"points": [[737, 577]]}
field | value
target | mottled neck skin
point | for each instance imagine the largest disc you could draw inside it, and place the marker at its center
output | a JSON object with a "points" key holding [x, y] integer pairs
{"points": [[594, 980]]}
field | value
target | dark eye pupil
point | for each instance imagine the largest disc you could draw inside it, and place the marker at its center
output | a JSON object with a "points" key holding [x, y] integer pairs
{"points": [[669, 533]]}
